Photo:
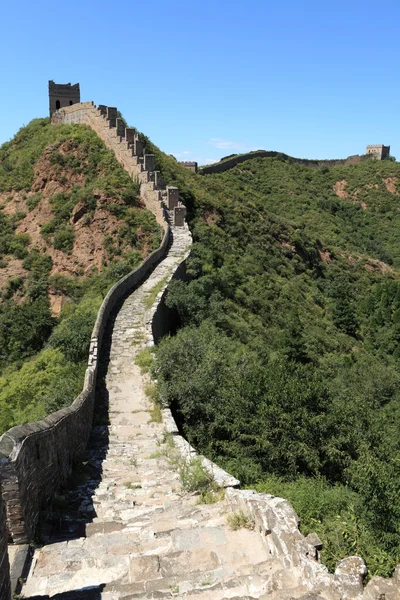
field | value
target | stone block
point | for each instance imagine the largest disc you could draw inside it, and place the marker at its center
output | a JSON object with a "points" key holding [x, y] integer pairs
{"points": [[137, 147], [130, 135], [111, 112], [179, 216], [158, 180], [149, 162], [102, 109], [143, 568], [120, 127], [172, 197]]}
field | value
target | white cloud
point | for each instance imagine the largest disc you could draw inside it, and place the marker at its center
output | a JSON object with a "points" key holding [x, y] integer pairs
{"points": [[222, 144], [183, 154]]}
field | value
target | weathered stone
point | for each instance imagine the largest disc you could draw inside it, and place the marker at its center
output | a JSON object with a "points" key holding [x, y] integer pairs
{"points": [[143, 568], [349, 576]]}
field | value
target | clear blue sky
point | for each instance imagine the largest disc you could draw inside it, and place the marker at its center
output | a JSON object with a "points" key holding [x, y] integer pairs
{"points": [[205, 79]]}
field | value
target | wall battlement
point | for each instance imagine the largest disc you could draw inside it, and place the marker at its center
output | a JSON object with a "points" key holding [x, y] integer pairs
{"points": [[315, 164], [36, 458]]}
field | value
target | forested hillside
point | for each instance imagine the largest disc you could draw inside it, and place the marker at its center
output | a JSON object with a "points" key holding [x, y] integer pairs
{"points": [[286, 368], [71, 225]]}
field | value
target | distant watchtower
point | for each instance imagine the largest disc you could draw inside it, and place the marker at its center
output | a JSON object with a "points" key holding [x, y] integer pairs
{"points": [[63, 94], [378, 151]]}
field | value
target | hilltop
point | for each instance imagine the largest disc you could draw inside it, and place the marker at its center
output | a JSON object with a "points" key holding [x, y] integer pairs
{"points": [[72, 224]]}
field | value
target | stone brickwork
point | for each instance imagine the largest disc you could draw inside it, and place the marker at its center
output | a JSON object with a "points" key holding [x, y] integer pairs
{"points": [[129, 151], [315, 164], [5, 582], [62, 94], [378, 151], [36, 459], [148, 539]]}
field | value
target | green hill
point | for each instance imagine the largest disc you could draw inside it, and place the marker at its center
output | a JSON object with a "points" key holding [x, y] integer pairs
{"points": [[71, 225], [286, 368]]}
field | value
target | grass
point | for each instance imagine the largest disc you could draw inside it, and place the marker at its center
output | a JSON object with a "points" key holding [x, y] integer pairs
{"points": [[211, 496], [155, 290], [155, 414], [144, 359], [239, 520]]}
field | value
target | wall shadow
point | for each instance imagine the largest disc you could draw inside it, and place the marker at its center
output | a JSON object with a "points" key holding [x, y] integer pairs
{"points": [[92, 593], [71, 509]]}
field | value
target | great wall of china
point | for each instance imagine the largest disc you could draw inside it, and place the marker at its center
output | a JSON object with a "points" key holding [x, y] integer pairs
{"points": [[135, 533]]}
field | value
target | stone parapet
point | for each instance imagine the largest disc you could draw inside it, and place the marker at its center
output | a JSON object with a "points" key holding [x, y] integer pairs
{"points": [[5, 581], [225, 165], [36, 458]]}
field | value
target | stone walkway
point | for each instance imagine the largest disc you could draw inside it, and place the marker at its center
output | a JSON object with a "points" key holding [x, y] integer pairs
{"points": [[141, 537]]}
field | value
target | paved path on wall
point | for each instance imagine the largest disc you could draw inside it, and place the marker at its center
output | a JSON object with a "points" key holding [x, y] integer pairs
{"points": [[148, 539]]}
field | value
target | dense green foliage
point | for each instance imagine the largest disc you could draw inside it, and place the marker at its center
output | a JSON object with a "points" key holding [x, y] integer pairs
{"points": [[42, 359], [286, 368]]}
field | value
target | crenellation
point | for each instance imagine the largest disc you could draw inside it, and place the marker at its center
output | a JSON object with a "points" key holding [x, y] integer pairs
{"points": [[137, 146], [149, 162], [120, 127], [179, 215], [172, 197], [36, 459], [130, 135], [43, 451]]}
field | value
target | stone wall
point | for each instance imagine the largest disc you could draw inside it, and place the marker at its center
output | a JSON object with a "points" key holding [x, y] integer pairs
{"points": [[5, 583], [231, 162], [36, 458], [126, 146]]}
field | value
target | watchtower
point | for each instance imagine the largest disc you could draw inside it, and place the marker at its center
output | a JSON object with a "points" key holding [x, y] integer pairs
{"points": [[378, 151], [63, 94]]}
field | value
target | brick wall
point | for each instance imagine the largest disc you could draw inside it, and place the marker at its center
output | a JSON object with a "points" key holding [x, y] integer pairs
{"points": [[5, 585], [86, 113], [36, 458], [231, 162]]}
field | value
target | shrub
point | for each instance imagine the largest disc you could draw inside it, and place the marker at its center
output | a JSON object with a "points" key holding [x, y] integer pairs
{"points": [[64, 239], [194, 476], [72, 336]]}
